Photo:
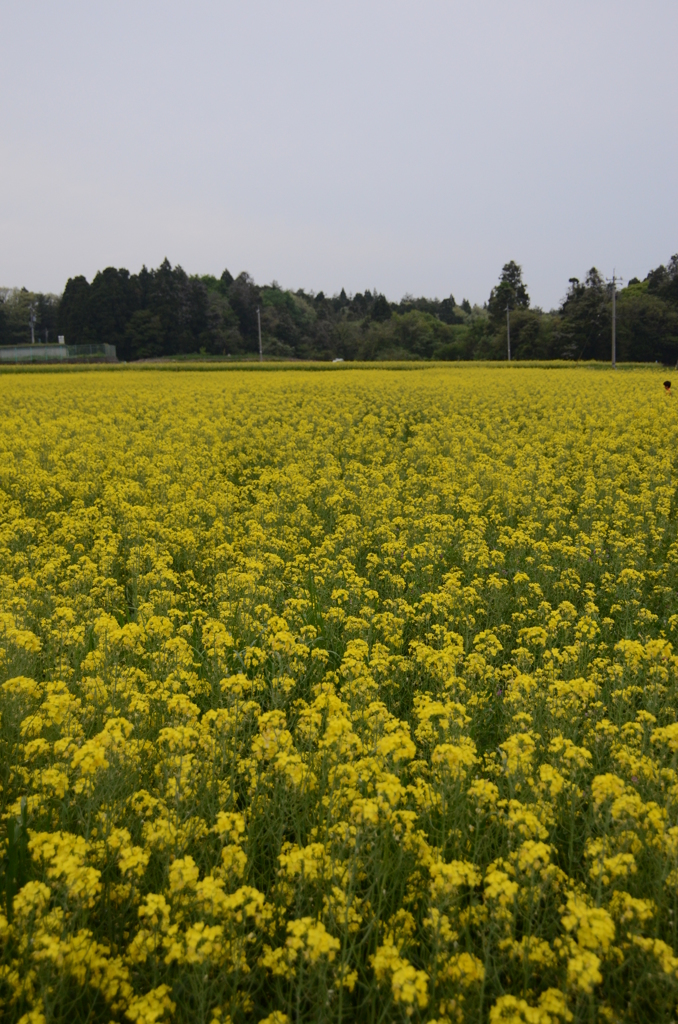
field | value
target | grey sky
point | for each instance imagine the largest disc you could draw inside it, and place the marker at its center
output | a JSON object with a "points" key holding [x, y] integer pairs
{"points": [[407, 146]]}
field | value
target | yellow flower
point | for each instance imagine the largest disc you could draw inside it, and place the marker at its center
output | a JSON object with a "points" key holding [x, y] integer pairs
{"points": [[552, 1007], [183, 874], [583, 970], [408, 985], [447, 879], [593, 927], [518, 752], [152, 1007], [311, 939], [364, 639]]}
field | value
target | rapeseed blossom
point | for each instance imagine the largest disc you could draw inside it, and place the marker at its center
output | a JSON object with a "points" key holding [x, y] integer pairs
{"points": [[338, 697]]}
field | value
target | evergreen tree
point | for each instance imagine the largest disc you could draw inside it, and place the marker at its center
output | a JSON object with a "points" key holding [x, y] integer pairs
{"points": [[511, 292], [112, 299], [381, 309], [163, 311], [244, 297], [663, 281], [73, 316], [585, 330]]}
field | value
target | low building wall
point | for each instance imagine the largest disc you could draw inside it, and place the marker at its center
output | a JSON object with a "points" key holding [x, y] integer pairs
{"points": [[95, 353]]}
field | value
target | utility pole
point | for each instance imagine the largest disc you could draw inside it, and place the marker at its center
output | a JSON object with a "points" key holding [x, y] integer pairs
{"points": [[614, 320], [261, 350], [31, 320], [508, 330]]}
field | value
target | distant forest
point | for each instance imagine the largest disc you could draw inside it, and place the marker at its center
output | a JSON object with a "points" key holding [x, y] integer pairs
{"points": [[166, 312]]}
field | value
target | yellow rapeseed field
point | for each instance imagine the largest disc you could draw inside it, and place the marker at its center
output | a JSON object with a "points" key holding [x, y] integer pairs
{"points": [[345, 696]]}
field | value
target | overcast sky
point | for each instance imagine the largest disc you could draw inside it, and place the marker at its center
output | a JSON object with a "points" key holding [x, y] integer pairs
{"points": [[403, 146]]}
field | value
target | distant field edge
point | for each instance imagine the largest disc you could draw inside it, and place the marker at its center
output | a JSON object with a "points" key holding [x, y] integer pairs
{"points": [[200, 366]]}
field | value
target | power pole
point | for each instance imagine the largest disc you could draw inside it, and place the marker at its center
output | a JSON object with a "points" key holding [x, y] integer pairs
{"points": [[31, 320], [508, 330], [614, 320], [261, 350]]}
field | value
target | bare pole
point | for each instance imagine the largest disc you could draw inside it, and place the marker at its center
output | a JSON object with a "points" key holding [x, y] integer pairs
{"points": [[508, 330], [31, 320], [261, 350], [614, 320]]}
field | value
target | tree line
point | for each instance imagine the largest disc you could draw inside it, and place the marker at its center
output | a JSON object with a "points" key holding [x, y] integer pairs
{"points": [[166, 312]]}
